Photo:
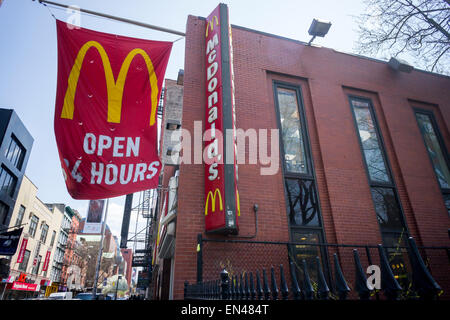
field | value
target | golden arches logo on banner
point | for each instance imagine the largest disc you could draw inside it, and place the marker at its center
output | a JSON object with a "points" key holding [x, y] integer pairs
{"points": [[213, 201], [114, 87], [210, 25]]}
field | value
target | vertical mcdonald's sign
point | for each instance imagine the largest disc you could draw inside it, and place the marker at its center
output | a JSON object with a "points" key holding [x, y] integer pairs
{"points": [[221, 196], [105, 111]]}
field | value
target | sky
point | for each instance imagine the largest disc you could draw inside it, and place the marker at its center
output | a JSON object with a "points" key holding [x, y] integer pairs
{"points": [[28, 61]]}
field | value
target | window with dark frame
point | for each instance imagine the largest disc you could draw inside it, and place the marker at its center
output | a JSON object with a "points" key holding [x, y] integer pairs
{"points": [[44, 232], [33, 225], [3, 212], [15, 152], [302, 201], [38, 264], [20, 215], [384, 192], [52, 241], [23, 265], [8, 181], [436, 150]]}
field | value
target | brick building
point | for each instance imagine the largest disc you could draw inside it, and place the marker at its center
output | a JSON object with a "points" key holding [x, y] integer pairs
{"points": [[362, 159]]}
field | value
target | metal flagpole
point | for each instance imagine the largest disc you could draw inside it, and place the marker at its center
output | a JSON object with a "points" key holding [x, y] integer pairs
{"points": [[141, 24], [100, 252]]}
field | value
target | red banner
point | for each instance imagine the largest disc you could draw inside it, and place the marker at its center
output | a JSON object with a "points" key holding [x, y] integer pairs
{"points": [[46, 261], [105, 114], [23, 247], [221, 196], [23, 286]]}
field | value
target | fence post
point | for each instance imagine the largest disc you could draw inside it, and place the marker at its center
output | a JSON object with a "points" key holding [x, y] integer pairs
{"points": [[246, 287], [274, 284], [233, 287], [259, 290], [225, 284], [323, 290], [360, 278], [252, 287], [295, 288], [389, 284], [241, 288], [341, 285], [423, 282], [266, 286], [186, 284], [308, 290], [283, 284], [199, 258]]}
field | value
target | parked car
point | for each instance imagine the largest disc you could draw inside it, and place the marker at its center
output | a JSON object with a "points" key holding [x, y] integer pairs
{"points": [[90, 296], [60, 296]]}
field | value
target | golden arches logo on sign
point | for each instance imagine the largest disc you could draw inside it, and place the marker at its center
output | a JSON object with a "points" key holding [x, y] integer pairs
{"points": [[212, 196], [114, 87], [210, 24]]}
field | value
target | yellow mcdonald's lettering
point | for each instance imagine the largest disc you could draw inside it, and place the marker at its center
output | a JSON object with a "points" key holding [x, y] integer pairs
{"points": [[210, 24], [114, 87], [213, 201]]}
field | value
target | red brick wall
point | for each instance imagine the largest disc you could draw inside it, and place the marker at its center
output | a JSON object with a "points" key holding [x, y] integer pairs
{"points": [[325, 77]]}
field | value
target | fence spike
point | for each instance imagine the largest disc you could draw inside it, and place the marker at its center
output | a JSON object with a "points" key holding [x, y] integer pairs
{"points": [[283, 284], [423, 282], [266, 286], [186, 289], [323, 291], [341, 285], [274, 284], [231, 287], [389, 284], [225, 284], [246, 287], [308, 290], [295, 288], [252, 287], [259, 290], [241, 288], [360, 278]]}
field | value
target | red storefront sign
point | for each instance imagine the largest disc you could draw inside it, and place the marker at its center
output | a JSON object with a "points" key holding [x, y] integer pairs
{"points": [[46, 261], [23, 247], [23, 286], [105, 111], [221, 196]]}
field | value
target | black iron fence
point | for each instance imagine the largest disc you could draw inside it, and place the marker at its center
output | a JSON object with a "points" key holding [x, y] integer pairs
{"points": [[287, 270]]}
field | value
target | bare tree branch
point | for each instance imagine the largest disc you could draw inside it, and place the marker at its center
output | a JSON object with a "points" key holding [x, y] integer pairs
{"points": [[418, 29]]}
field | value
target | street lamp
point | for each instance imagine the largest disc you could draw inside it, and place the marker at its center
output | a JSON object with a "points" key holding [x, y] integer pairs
{"points": [[318, 28]]}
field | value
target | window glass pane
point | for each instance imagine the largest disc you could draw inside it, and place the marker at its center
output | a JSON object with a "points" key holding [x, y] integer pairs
{"points": [[7, 182], [302, 202], [24, 263], [434, 150], [370, 142], [15, 152], [307, 253], [33, 225], [291, 131], [3, 212], [387, 209], [20, 215], [53, 239], [44, 233], [397, 255], [447, 202]]}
